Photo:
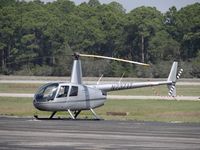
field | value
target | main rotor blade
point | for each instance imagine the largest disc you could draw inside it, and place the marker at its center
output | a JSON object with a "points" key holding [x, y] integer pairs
{"points": [[117, 59]]}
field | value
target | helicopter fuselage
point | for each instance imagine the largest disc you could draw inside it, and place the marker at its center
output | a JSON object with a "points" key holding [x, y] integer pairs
{"points": [[64, 96], [75, 96]]}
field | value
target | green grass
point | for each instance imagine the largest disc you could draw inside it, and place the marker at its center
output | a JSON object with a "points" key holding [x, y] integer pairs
{"points": [[16, 106], [142, 110], [155, 110], [183, 90], [19, 87]]}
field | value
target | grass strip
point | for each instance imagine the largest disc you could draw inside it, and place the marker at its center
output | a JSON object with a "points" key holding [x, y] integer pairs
{"points": [[141, 110]]}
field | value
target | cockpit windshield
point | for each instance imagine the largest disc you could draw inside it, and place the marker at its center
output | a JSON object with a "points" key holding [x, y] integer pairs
{"points": [[46, 92]]}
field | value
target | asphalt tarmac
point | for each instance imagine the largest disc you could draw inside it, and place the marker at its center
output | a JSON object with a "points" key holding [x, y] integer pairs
{"points": [[28, 133]]}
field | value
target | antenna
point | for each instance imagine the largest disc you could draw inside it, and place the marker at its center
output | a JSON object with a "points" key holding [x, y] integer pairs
{"points": [[100, 79], [121, 77]]}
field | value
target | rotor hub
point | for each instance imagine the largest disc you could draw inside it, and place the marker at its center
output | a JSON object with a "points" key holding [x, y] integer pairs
{"points": [[76, 56]]}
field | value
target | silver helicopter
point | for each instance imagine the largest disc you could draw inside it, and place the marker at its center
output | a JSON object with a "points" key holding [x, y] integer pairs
{"points": [[75, 96]]}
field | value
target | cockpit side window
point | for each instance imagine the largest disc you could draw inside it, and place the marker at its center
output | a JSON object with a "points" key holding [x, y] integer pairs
{"points": [[74, 91], [63, 91]]}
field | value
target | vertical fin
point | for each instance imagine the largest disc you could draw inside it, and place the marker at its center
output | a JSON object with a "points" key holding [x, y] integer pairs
{"points": [[172, 78], [173, 72]]}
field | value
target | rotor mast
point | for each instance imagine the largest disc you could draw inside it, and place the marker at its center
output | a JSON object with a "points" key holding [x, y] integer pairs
{"points": [[76, 76]]}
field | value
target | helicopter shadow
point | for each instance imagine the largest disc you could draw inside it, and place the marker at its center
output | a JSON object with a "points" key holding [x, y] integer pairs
{"points": [[67, 119]]}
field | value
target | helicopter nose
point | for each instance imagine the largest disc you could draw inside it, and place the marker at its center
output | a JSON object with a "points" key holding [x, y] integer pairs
{"points": [[39, 105], [35, 104]]}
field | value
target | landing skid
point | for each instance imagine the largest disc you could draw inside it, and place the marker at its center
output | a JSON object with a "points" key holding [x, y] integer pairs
{"points": [[69, 119], [43, 118], [73, 116]]}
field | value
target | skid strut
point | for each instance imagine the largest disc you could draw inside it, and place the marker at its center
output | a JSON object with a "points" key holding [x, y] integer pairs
{"points": [[76, 113], [52, 114], [72, 116], [95, 115]]}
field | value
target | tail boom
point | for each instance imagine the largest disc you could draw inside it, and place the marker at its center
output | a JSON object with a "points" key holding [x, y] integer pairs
{"points": [[170, 82]]}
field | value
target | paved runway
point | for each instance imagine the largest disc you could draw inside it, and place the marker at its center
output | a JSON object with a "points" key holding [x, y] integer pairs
{"points": [[27, 133]]}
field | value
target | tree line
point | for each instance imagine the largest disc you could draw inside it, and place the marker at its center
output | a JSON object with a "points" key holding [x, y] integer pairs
{"points": [[36, 38]]}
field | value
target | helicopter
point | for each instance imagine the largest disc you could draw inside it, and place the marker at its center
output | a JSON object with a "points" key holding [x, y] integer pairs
{"points": [[74, 96]]}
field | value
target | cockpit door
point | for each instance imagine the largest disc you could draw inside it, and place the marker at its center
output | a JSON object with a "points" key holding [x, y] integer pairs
{"points": [[63, 92]]}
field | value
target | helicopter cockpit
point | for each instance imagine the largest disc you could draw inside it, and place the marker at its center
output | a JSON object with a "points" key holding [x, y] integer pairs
{"points": [[46, 92], [52, 91]]}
